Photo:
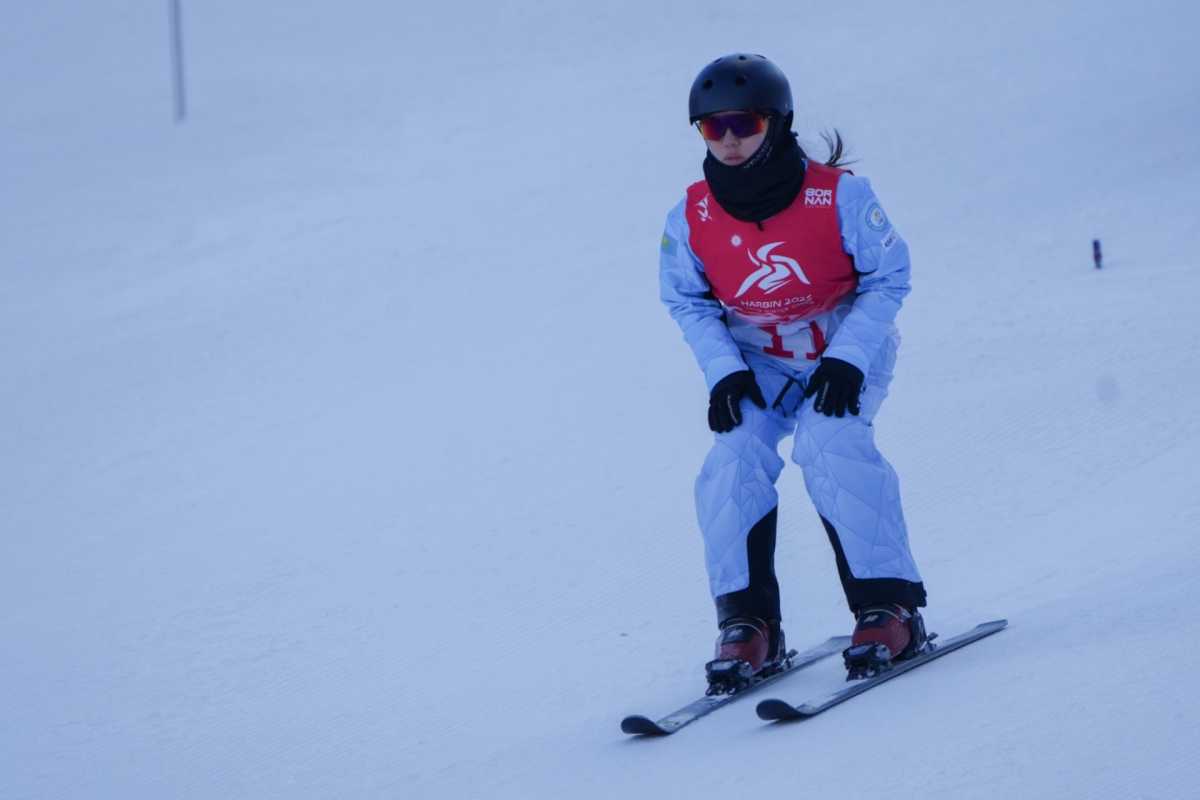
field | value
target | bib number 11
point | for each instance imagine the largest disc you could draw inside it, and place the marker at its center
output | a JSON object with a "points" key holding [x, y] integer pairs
{"points": [[777, 349]]}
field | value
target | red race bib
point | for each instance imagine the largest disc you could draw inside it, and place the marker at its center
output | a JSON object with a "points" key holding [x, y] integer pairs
{"points": [[791, 270]]}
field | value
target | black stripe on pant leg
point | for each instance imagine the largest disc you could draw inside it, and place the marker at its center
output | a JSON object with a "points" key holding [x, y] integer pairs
{"points": [[761, 598], [866, 592]]}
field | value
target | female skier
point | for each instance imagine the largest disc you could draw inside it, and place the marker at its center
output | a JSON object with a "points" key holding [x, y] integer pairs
{"points": [[785, 275]]}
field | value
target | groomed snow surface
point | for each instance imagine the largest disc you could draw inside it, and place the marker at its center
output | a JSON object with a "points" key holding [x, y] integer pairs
{"points": [[347, 451]]}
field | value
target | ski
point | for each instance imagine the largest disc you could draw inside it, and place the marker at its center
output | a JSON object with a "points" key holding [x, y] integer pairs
{"points": [[774, 710], [644, 726]]}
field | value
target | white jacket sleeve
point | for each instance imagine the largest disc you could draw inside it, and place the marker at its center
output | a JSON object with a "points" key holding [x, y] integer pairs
{"points": [[882, 261], [688, 296]]}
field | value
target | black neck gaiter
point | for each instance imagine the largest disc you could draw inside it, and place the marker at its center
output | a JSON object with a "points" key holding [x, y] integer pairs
{"points": [[766, 183]]}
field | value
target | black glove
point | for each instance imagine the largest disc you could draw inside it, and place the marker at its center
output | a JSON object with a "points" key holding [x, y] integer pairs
{"points": [[725, 400], [837, 385]]}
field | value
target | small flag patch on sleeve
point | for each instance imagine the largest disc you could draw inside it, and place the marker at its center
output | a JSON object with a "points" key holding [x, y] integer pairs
{"points": [[668, 245]]}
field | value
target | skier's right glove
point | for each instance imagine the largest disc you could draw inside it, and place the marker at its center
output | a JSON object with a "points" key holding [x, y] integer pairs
{"points": [[725, 400]]}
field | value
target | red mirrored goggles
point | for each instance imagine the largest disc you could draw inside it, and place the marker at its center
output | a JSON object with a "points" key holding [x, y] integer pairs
{"points": [[743, 124]]}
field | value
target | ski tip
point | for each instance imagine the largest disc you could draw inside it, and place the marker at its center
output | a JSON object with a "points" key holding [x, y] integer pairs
{"points": [[994, 625], [773, 710], [637, 725]]}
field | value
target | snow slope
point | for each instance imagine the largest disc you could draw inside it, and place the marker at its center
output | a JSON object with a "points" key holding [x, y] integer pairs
{"points": [[348, 452]]}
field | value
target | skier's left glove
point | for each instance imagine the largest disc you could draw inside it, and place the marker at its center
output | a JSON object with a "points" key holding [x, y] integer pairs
{"points": [[837, 385]]}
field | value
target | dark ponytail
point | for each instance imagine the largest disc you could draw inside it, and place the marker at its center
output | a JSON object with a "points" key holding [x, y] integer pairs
{"points": [[837, 146], [837, 149]]}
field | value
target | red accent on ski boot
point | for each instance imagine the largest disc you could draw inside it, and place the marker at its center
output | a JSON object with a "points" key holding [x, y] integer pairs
{"points": [[745, 647], [884, 634]]}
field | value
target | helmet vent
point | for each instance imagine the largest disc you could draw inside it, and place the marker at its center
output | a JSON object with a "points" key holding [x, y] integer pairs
{"points": [[708, 84], [739, 80]]}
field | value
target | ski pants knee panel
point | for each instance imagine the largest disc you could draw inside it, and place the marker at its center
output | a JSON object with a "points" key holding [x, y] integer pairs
{"points": [[857, 492], [736, 489]]}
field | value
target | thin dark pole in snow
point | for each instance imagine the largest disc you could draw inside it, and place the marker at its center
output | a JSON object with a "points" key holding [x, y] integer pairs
{"points": [[1096, 252], [177, 59]]}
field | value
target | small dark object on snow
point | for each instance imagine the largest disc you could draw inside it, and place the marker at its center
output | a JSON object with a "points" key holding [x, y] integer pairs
{"points": [[1096, 252]]}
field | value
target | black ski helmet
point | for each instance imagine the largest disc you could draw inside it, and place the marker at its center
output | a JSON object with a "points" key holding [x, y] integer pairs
{"points": [[740, 81]]}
